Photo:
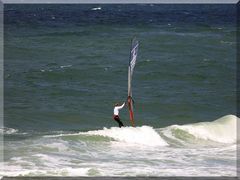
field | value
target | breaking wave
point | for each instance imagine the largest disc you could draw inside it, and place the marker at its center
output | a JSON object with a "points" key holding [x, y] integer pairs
{"points": [[6, 130], [144, 135], [222, 130]]}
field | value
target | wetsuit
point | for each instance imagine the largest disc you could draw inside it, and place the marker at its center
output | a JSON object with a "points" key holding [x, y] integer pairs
{"points": [[116, 115]]}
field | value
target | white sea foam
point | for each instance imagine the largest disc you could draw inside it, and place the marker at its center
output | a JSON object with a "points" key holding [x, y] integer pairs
{"points": [[132, 151], [67, 171], [223, 130], [6, 130], [66, 66], [59, 145], [144, 135], [61, 135], [96, 8], [227, 42]]}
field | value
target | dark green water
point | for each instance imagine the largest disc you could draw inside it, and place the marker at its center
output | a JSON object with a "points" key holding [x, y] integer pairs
{"points": [[185, 70]]}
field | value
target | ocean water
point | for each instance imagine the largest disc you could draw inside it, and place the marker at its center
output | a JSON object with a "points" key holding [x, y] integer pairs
{"points": [[65, 66]]}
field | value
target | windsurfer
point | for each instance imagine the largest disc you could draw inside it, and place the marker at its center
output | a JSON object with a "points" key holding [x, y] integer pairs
{"points": [[116, 114]]}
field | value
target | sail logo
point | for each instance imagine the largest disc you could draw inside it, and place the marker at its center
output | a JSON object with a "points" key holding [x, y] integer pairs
{"points": [[134, 56]]}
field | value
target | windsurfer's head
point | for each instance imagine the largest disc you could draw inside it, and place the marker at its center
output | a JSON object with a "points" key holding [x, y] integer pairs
{"points": [[117, 104]]}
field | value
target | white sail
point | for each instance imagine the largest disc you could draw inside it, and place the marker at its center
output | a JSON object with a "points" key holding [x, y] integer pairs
{"points": [[132, 62]]}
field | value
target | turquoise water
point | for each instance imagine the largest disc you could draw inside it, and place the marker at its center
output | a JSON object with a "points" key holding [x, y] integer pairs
{"points": [[65, 66]]}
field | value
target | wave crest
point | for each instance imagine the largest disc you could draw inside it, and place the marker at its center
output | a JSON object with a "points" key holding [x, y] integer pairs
{"points": [[222, 130], [144, 135], [5, 130]]}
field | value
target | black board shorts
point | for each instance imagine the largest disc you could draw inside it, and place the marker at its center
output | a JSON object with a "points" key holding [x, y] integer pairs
{"points": [[116, 117]]}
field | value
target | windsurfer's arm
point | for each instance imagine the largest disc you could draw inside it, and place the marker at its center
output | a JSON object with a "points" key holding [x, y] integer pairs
{"points": [[122, 106]]}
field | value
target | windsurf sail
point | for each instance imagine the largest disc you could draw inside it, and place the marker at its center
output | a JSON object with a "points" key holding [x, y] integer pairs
{"points": [[132, 62]]}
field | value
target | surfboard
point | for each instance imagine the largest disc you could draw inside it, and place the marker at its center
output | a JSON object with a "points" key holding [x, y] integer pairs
{"points": [[132, 62]]}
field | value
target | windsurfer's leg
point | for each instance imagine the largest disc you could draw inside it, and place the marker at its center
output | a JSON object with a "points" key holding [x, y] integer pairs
{"points": [[120, 124]]}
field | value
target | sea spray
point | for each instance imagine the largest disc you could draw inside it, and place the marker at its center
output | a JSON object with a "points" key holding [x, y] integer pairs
{"points": [[125, 151], [6, 130], [144, 135]]}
